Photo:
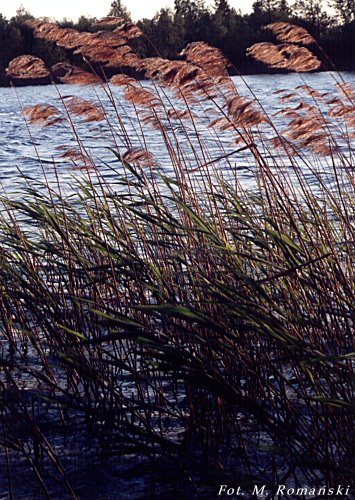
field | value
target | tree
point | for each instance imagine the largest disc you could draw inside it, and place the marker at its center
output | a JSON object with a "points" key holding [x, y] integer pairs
{"points": [[191, 18], [165, 40], [271, 10], [221, 23], [312, 11], [345, 10], [284, 9], [117, 9], [222, 6], [84, 23], [22, 15], [186, 9]]}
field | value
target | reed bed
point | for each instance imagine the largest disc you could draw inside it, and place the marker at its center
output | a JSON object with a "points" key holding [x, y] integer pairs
{"points": [[183, 314]]}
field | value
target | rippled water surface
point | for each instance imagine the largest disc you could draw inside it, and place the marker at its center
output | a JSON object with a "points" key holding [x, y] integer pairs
{"points": [[33, 150]]}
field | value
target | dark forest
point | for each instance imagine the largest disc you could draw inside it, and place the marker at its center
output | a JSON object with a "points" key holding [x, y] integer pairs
{"points": [[332, 24]]}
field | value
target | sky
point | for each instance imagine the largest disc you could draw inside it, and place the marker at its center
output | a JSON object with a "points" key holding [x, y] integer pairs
{"points": [[72, 9]]}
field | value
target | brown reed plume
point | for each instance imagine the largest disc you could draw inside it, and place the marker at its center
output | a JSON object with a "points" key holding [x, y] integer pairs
{"points": [[284, 56], [209, 58], [79, 160], [197, 77], [290, 33], [243, 113], [226, 313], [109, 21], [121, 79], [27, 66], [43, 114], [78, 76], [138, 156], [81, 107], [121, 57], [129, 31], [142, 97], [308, 128], [105, 47], [347, 90], [173, 74], [64, 37]]}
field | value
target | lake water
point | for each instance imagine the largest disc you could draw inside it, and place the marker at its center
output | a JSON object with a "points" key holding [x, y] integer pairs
{"points": [[31, 149], [34, 151]]}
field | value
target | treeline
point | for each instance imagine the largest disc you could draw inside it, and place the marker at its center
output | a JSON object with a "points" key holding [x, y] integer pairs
{"points": [[170, 30]]}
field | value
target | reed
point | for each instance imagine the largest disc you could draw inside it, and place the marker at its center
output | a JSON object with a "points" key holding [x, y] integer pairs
{"points": [[184, 311]]}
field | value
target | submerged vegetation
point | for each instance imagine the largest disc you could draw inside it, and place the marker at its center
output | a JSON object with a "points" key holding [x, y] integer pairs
{"points": [[183, 314]]}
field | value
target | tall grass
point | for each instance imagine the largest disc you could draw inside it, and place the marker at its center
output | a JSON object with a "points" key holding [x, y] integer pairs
{"points": [[182, 311]]}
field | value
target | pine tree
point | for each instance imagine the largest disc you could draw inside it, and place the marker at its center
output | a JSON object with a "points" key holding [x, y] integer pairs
{"points": [[312, 11], [271, 10], [345, 10], [117, 9], [222, 6], [284, 9]]}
